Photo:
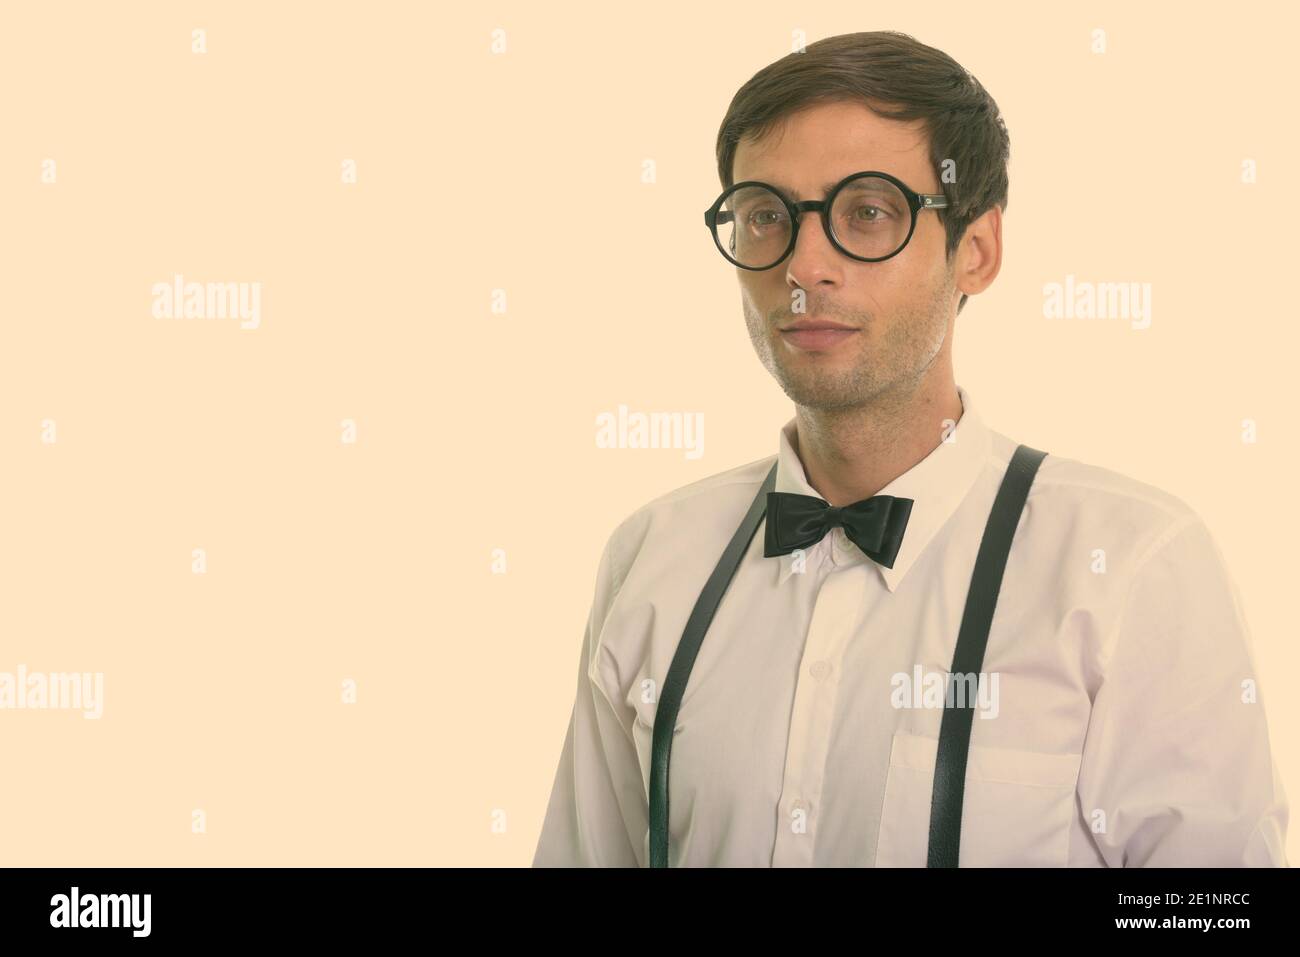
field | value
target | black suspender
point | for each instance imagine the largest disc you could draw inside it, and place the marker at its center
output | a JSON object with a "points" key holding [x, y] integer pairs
{"points": [[972, 636], [954, 729], [684, 659]]}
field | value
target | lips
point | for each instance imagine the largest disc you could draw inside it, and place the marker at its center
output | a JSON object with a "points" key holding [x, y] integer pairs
{"points": [[816, 325], [816, 336]]}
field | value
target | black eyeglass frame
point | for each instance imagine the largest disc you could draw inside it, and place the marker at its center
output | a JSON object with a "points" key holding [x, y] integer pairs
{"points": [[915, 201]]}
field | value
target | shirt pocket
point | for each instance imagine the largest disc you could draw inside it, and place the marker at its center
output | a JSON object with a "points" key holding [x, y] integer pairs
{"points": [[1017, 810]]}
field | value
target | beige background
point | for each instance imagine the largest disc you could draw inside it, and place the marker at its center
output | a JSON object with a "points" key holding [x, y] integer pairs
{"points": [[475, 430]]}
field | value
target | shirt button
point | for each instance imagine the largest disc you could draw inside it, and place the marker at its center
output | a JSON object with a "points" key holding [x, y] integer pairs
{"points": [[820, 669]]}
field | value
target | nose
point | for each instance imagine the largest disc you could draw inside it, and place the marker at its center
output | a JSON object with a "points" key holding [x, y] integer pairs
{"points": [[813, 258]]}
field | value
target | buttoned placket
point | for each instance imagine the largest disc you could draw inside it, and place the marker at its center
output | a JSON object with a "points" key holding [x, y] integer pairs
{"points": [[839, 600]]}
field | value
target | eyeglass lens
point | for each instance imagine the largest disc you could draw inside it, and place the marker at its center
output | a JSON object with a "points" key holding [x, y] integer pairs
{"points": [[870, 218]]}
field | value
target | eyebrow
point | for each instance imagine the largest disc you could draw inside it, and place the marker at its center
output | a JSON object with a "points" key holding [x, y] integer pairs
{"points": [[789, 193], [792, 194]]}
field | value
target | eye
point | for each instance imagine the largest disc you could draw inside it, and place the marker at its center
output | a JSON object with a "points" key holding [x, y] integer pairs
{"points": [[765, 217]]}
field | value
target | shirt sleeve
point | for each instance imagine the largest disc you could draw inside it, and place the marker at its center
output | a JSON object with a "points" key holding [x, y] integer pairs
{"points": [[598, 800], [1177, 768]]}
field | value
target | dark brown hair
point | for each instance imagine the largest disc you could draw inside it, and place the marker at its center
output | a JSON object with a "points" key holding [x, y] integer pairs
{"points": [[899, 78]]}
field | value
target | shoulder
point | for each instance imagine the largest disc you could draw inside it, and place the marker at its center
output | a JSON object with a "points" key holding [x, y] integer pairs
{"points": [[701, 513], [1093, 507], [1174, 594], [674, 538]]}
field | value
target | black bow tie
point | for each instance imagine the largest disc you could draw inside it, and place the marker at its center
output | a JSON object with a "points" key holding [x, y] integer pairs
{"points": [[875, 524]]}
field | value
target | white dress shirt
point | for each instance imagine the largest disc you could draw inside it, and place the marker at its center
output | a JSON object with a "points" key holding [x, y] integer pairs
{"points": [[1120, 722]]}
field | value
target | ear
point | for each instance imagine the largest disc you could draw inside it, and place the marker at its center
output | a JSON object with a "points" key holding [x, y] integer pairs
{"points": [[979, 255]]}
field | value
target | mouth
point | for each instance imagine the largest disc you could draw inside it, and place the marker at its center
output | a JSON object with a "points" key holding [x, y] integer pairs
{"points": [[816, 336]]}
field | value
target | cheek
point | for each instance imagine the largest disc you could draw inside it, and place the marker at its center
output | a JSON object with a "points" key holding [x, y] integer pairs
{"points": [[762, 297], [877, 289], [896, 282], [747, 301]]}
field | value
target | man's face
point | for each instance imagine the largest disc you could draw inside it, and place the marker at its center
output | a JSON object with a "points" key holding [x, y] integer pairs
{"points": [[900, 309]]}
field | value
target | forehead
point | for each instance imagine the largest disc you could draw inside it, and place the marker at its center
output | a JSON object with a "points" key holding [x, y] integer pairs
{"points": [[812, 150]]}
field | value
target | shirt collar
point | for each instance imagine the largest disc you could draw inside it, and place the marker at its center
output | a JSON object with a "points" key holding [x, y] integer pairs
{"points": [[936, 484]]}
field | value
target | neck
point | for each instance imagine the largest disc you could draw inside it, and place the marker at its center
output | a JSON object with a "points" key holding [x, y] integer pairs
{"points": [[852, 453]]}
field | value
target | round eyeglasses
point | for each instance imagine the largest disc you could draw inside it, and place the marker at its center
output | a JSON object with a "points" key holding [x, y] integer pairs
{"points": [[868, 216]]}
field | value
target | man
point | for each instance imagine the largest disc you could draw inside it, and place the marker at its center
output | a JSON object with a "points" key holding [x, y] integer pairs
{"points": [[1116, 718]]}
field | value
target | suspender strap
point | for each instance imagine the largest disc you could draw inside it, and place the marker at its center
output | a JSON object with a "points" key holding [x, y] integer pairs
{"points": [[955, 727], [679, 672]]}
